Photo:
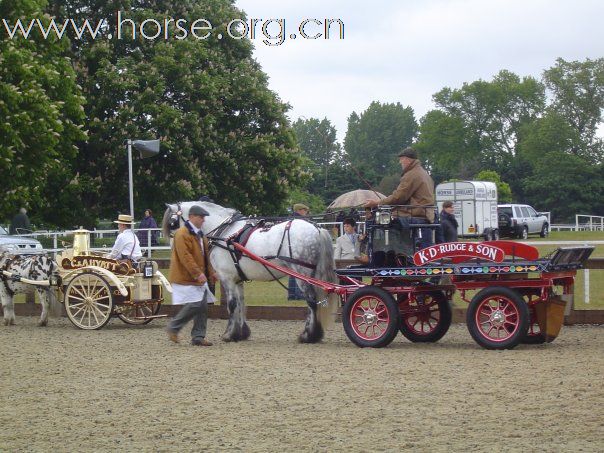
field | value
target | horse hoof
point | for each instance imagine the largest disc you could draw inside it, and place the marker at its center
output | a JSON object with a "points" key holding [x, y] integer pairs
{"points": [[42, 323], [226, 338], [245, 332]]}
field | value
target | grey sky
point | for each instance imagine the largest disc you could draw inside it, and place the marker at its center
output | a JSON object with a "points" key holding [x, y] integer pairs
{"points": [[405, 51]]}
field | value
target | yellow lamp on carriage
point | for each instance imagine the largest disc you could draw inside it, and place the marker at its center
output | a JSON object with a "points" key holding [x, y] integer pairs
{"points": [[81, 242]]}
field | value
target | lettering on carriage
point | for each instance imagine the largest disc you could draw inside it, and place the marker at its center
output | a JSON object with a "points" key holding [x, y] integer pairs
{"points": [[105, 263], [458, 249]]}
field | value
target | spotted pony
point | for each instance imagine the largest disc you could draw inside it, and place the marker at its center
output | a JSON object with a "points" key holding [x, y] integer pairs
{"points": [[33, 267]]}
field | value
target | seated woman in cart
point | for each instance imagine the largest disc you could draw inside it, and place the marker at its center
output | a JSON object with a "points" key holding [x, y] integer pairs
{"points": [[416, 189], [127, 246]]}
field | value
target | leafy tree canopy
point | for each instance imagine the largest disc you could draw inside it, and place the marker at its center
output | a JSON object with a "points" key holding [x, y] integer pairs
{"points": [[504, 192], [223, 132], [42, 116], [375, 137]]}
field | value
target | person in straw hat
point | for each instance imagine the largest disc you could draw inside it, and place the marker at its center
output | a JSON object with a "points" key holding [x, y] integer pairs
{"points": [[127, 246]]}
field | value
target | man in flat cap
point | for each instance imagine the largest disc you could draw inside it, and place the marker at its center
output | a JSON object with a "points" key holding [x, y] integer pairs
{"points": [[415, 189], [301, 210], [190, 269]]}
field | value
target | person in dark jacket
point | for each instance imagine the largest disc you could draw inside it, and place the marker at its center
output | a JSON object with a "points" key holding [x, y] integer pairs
{"points": [[20, 223], [448, 222], [147, 223]]}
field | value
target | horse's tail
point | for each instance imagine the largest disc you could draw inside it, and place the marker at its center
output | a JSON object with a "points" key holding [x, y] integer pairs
{"points": [[165, 223], [325, 271]]}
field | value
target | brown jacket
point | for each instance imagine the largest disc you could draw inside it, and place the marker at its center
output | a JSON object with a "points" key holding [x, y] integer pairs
{"points": [[416, 188], [187, 261]]}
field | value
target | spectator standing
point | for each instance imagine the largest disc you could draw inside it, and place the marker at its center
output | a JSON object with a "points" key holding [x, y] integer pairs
{"points": [[20, 223], [147, 223], [448, 222]]}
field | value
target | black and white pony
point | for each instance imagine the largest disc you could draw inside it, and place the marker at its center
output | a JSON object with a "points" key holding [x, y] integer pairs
{"points": [[32, 267], [301, 246]]}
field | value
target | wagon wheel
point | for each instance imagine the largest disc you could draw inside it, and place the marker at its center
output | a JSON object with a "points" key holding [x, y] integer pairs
{"points": [[498, 318], [427, 318], [130, 313], [370, 317], [88, 301], [533, 335]]}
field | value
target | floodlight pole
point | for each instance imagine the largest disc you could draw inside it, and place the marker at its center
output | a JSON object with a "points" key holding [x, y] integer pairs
{"points": [[130, 185]]}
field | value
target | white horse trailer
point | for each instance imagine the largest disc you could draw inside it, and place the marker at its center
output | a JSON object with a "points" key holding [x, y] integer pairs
{"points": [[475, 205]]}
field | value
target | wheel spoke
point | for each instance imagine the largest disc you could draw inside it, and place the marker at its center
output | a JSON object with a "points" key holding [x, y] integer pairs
{"points": [[76, 289]]}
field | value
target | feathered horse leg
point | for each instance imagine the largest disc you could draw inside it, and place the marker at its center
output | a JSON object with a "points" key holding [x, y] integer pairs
{"points": [[237, 328]]}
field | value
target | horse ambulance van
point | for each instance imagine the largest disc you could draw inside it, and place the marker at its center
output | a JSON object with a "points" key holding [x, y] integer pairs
{"points": [[475, 205]]}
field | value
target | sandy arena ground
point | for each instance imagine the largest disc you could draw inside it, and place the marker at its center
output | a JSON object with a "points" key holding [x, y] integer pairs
{"points": [[127, 388]]}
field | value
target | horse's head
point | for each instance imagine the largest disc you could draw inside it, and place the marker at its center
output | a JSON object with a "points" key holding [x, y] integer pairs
{"points": [[177, 213]]}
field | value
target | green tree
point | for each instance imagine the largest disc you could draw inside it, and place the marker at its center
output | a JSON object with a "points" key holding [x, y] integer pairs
{"points": [[493, 113], [223, 132], [446, 148], [554, 187], [504, 193], [317, 141], [374, 138], [577, 90], [42, 115]]}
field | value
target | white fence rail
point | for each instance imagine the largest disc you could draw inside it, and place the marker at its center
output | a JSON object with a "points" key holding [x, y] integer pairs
{"points": [[589, 222]]}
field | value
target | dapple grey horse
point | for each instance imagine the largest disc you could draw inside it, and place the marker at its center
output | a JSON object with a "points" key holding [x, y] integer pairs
{"points": [[301, 246], [33, 267]]}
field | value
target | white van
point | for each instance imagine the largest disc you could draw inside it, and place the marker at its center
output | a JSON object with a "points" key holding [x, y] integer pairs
{"points": [[475, 205]]}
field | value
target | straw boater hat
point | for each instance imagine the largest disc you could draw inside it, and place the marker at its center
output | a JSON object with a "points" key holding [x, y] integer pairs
{"points": [[124, 219]]}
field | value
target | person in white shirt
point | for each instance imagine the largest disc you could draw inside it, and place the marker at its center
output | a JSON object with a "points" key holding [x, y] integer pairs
{"points": [[127, 246], [348, 246]]}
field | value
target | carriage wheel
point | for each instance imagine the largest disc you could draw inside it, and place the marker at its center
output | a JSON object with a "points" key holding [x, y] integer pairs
{"points": [[370, 317], [427, 319], [498, 318], [131, 313], [88, 301], [533, 335]]}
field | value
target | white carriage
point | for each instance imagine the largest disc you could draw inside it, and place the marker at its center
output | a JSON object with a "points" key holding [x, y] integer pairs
{"points": [[94, 288]]}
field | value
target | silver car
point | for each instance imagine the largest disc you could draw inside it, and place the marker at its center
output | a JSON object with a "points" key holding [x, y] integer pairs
{"points": [[18, 244]]}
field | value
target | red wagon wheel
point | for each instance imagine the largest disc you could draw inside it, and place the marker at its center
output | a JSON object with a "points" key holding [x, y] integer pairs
{"points": [[426, 318], [498, 318], [370, 317]]}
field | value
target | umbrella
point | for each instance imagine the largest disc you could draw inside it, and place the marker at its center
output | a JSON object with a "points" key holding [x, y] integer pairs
{"points": [[354, 198]]}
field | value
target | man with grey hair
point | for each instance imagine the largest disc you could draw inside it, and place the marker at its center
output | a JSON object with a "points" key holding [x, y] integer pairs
{"points": [[20, 223]]}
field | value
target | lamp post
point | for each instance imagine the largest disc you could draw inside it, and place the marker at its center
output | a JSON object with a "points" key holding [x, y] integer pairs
{"points": [[146, 148]]}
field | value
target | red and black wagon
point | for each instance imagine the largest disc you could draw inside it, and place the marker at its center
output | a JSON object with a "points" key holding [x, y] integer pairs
{"points": [[520, 298]]}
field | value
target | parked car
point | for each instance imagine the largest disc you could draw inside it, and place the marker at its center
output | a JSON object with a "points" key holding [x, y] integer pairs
{"points": [[520, 220], [18, 244]]}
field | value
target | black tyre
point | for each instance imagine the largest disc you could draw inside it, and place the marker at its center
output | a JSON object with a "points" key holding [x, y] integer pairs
{"points": [[523, 233], [498, 318], [370, 317], [427, 319], [495, 235], [544, 230]]}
